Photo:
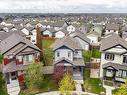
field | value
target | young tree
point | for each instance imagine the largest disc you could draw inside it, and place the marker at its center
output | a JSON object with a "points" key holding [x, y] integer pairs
{"points": [[66, 85], [33, 75], [122, 90], [58, 73]]}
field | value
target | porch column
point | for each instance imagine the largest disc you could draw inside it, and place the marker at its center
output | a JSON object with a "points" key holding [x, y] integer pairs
{"points": [[104, 73], [6, 75], [81, 71]]}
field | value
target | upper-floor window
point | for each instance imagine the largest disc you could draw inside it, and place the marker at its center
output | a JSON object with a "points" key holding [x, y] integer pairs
{"points": [[29, 58], [109, 56], [20, 58], [58, 54], [69, 54], [125, 59]]}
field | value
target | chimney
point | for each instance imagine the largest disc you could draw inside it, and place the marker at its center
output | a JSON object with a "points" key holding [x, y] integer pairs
{"points": [[39, 41]]}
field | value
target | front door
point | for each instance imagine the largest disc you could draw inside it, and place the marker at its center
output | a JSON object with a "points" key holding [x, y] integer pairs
{"points": [[13, 76]]}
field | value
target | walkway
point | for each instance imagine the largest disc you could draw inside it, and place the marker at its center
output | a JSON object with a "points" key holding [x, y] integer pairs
{"points": [[13, 88], [108, 89]]}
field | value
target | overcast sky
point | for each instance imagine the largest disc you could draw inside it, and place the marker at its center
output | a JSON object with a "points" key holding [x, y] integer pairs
{"points": [[64, 6]]}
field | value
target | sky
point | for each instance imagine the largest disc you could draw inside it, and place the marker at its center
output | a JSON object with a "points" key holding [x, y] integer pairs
{"points": [[63, 6]]}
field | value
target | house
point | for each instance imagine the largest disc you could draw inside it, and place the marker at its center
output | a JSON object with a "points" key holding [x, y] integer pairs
{"points": [[18, 52], [82, 39], [68, 53], [112, 28], [124, 32], [113, 59], [94, 37], [61, 33], [70, 28], [48, 32]]}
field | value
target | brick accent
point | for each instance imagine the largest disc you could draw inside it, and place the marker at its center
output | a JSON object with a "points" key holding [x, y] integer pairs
{"points": [[18, 62], [6, 61]]}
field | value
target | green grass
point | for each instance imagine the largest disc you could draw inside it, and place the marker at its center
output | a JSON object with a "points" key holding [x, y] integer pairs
{"points": [[3, 90], [46, 85], [92, 84], [114, 91], [48, 52]]}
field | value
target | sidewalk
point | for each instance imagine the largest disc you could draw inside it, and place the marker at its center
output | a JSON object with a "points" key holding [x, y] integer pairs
{"points": [[58, 93]]}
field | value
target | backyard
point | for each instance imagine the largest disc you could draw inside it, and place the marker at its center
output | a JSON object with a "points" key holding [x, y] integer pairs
{"points": [[47, 51], [93, 85]]}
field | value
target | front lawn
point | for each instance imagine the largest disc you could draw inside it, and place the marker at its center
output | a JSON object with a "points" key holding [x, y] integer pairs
{"points": [[93, 85], [47, 51], [46, 85]]}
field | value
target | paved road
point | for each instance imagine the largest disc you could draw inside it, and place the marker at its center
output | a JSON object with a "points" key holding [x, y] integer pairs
{"points": [[58, 93]]}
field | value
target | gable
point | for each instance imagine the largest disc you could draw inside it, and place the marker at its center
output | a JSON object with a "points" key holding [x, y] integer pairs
{"points": [[63, 47], [65, 63], [15, 48], [60, 33], [46, 32], [117, 49]]}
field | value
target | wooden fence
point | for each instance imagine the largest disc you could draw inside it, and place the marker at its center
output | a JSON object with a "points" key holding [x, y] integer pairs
{"points": [[92, 65]]}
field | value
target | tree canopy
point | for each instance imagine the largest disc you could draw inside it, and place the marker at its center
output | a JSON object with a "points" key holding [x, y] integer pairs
{"points": [[33, 75], [66, 85], [122, 90]]}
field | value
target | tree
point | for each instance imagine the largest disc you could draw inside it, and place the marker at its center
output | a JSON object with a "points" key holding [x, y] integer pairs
{"points": [[1, 58], [87, 55], [33, 75], [122, 90], [58, 73], [66, 85]]}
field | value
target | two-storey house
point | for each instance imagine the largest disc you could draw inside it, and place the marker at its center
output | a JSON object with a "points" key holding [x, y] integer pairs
{"points": [[113, 58], [68, 53], [18, 53]]}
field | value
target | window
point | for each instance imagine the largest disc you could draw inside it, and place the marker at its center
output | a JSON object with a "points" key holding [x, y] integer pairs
{"points": [[58, 54], [29, 58], [119, 73], [109, 56], [124, 74], [20, 58], [125, 59], [76, 52], [69, 54]]}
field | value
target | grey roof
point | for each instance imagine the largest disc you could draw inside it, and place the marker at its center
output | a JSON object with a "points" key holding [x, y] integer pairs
{"points": [[11, 67], [81, 36], [4, 35], [68, 42], [58, 23], [75, 62], [13, 40], [94, 33], [110, 26], [115, 66], [111, 41]]}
